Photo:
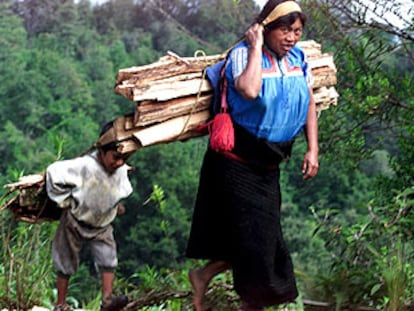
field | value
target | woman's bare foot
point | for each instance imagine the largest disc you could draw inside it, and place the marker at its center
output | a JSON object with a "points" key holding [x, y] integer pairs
{"points": [[200, 278], [199, 285]]}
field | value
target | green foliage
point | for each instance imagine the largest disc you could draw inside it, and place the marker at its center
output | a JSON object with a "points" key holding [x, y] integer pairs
{"points": [[395, 268], [25, 264], [220, 22], [372, 259], [157, 214]]}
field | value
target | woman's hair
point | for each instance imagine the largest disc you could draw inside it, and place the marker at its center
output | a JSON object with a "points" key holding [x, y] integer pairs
{"points": [[285, 20]]}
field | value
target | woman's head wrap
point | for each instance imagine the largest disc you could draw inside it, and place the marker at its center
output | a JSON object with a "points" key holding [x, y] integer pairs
{"points": [[282, 9]]}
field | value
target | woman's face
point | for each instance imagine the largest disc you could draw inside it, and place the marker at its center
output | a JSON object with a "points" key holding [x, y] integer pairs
{"points": [[282, 39]]}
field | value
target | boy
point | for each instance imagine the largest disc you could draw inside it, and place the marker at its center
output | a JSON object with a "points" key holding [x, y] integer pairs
{"points": [[90, 188]]}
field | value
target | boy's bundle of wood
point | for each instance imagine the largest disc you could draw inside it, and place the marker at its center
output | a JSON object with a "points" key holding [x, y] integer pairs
{"points": [[30, 202], [172, 99], [172, 96]]}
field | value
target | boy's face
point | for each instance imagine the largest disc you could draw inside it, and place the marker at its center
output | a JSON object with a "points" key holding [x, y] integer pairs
{"points": [[112, 160]]}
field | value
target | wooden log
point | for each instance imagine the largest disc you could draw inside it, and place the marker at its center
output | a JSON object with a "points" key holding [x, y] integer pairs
{"points": [[150, 112], [170, 88], [323, 60], [323, 77], [180, 128], [311, 48], [325, 97], [167, 66]]}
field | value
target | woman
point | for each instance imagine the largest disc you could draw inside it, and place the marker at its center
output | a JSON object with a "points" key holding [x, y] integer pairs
{"points": [[236, 221]]}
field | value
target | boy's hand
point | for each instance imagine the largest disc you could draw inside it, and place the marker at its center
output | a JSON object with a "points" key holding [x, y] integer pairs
{"points": [[121, 209]]}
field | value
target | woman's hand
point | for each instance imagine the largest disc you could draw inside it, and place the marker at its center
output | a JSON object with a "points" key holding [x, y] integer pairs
{"points": [[254, 36], [310, 164]]}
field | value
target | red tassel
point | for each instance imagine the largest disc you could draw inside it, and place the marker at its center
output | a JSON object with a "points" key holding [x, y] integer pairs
{"points": [[221, 127], [222, 133]]}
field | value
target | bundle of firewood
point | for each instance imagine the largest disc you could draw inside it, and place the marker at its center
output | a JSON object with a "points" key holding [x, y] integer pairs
{"points": [[29, 201], [173, 96], [172, 99]]}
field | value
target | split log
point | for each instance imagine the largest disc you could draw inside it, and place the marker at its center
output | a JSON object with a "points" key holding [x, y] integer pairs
{"points": [[325, 97], [311, 48], [170, 88], [166, 66], [323, 71], [180, 128], [150, 112]]}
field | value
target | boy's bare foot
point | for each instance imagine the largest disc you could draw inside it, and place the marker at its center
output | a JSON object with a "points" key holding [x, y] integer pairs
{"points": [[199, 285]]}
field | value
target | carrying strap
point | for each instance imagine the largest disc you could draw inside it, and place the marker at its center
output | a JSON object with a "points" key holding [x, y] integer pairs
{"points": [[224, 104], [224, 85]]}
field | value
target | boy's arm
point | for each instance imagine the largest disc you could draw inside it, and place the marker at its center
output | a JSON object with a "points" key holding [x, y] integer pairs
{"points": [[59, 183]]}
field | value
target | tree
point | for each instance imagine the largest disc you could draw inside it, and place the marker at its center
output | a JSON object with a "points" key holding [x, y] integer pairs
{"points": [[374, 112]]}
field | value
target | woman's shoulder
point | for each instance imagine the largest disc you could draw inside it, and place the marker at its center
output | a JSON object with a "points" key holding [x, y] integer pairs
{"points": [[239, 47], [297, 53]]}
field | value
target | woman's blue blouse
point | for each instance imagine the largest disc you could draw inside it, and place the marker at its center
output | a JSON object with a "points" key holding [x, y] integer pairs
{"points": [[280, 111]]}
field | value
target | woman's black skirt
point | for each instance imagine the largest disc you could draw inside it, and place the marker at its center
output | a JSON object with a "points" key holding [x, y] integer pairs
{"points": [[237, 219]]}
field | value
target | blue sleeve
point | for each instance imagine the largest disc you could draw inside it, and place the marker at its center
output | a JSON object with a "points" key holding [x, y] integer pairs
{"points": [[238, 59]]}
